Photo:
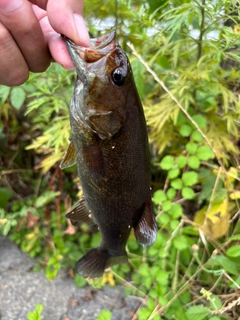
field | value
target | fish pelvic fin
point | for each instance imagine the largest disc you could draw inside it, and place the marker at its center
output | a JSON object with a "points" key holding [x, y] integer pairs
{"points": [[145, 230], [80, 213], [93, 264], [69, 158]]}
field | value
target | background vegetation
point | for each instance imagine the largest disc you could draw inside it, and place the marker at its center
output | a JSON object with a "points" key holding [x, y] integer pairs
{"points": [[187, 74]]}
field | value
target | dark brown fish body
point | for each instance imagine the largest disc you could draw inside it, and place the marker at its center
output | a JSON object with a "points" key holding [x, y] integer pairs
{"points": [[110, 139]]}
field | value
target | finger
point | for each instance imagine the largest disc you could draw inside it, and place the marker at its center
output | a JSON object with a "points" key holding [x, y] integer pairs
{"points": [[56, 44], [13, 68], [39, 13], [66, 17], [59, 51], [19, 18]]}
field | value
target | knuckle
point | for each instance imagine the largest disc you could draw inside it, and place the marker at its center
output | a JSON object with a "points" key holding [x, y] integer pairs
{"points": [[4, 35], [40, 67], [16, 78]]}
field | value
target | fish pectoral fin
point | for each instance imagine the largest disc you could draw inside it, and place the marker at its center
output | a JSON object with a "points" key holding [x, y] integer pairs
{"points": [[145, 230], [93, 264], [106, 125], [81, 213], [69, 158]]}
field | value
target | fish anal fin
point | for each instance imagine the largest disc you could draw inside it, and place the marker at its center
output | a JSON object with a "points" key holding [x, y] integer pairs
{"points": [[93, 264], [81, 213], [69, 158], [145, 230]]}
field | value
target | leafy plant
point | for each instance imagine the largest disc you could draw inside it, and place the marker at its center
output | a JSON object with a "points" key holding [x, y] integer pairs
{"points": [[105, 315], [36, 314], [185, 60]]}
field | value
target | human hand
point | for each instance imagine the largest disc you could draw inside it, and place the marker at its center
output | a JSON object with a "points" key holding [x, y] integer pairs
{"points": [[30, 36]]}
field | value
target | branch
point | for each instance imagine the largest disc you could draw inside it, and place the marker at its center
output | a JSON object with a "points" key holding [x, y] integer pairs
{"points": [[201, 31], [177, 102]]}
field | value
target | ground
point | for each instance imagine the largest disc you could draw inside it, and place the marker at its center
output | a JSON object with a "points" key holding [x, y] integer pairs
{"points": [[21, 290]]}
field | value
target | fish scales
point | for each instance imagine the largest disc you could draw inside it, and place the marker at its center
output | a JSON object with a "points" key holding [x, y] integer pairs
{"points": [[110, 143]]}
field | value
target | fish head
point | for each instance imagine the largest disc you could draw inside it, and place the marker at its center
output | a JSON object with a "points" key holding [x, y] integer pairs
{"points": [[105, 78]]}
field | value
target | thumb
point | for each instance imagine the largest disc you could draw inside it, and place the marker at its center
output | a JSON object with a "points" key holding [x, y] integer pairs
{"points": [[66, 17]]}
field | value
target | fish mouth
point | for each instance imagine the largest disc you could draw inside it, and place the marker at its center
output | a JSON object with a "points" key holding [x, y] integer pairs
{"points": [[81, 56]]}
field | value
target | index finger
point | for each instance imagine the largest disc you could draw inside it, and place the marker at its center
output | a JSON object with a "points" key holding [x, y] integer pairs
{"points": [[66, 17]]}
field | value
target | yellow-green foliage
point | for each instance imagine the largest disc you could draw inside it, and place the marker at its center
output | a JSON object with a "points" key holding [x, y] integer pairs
{"points": [[194, 143]]}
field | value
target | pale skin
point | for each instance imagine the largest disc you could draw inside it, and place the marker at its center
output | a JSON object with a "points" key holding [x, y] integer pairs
{"points": [[30, 36]]}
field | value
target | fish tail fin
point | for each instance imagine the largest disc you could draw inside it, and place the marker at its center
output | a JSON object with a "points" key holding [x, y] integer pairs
{"points": [[93, 264], [145, 230]]}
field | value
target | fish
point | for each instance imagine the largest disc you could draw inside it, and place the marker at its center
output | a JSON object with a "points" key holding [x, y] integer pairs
{"points": [[109, 144]]}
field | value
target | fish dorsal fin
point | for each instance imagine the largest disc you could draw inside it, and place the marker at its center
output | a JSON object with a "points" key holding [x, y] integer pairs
{"points": [[69, 158], [145, 230], [80, 213]]}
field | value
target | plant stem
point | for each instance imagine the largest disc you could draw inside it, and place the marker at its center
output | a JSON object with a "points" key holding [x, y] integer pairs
{"points": [[201, 31]]}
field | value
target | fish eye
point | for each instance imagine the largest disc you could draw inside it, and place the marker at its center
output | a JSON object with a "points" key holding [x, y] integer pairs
{"points": [[117, 77]]}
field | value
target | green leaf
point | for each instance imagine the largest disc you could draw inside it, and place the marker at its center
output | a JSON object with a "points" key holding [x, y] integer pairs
{"points": [[164, 219], [166, 205], [46, 197], [197, 313], [234, 251], [171, 193], [138, 70], [185, 130], [193, 162], [162, 277], [200, 120], [144, 270], [176, 210], [163, 60], [204, 153], [191, 147], [36, 314], [105, 315], [162, 301], [181, 162], [176, 184], [167, 162], [144, 314], [215, 302], [188, 193], [4, 93], [29, 87], [229, 265], [150, 304], [173, 173], [190, 178], [17, 97], [174, 224], [5, 195], [79, 281], [180, 242], [196, 136], [159, 196], [237, 281], [6, 228]]}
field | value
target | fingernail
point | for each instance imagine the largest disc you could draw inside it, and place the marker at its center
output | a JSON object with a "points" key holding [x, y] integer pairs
{"points": [[83, 36], [8, 6]]}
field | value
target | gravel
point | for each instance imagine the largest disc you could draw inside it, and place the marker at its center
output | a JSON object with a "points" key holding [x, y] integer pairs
{"points": [[21, 290]]}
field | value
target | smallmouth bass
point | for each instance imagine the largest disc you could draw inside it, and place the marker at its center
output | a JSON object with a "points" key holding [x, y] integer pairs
{"points": [[110, 146]]}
